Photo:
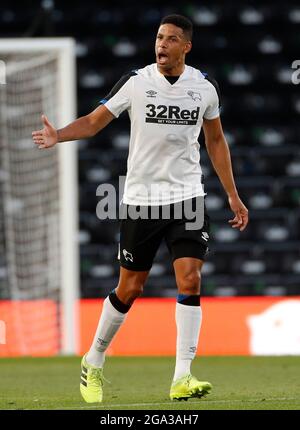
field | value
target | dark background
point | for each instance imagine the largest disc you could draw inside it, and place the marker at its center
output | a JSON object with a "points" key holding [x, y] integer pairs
{"points": [[248, 47]]}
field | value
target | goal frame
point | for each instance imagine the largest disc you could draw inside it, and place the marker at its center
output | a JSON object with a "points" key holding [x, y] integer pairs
{"points": [[64, 48]]}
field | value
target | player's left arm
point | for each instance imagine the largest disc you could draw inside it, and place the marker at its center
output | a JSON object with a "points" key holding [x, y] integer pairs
{"points": [[219, 154]]}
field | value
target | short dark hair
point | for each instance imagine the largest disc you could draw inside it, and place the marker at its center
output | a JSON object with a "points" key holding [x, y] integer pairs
{"points": [[180, 21]]}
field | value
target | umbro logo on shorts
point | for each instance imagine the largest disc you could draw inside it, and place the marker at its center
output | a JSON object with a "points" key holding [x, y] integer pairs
{"points": [[205, 236], [173, 115], [127, 255]]}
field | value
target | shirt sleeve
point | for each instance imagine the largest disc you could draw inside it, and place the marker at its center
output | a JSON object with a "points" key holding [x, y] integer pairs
{"points": [[213, 109], [120, 97]]}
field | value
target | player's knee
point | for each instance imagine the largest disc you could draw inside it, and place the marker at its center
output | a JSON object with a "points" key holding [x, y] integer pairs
{"points": [[189, 283], [130, 285], [134, 290]]}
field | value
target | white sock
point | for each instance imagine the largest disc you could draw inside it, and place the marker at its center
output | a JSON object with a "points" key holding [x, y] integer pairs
{"points": [[109, 323], [188, 322]]}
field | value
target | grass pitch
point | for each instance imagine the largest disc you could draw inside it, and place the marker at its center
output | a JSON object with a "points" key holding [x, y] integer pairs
{"points": [[143, 383]]}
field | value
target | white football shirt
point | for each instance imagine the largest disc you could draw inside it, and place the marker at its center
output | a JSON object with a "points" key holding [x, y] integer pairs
{"points": [[163, 165]]}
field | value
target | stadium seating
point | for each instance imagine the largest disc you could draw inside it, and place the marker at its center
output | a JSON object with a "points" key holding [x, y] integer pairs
{"points": [[249, 50]]}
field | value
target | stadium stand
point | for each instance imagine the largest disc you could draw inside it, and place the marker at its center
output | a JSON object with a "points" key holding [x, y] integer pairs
{"points": [[248, 47]]}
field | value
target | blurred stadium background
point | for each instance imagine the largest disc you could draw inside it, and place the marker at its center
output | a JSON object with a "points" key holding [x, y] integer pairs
{"points": [[249, 48]]}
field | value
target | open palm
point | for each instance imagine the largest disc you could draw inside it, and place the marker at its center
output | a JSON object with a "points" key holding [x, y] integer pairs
{"points": [[47, 136]]}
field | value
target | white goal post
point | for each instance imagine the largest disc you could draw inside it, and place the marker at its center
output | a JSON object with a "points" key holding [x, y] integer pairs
{"points": [[39, 188]]}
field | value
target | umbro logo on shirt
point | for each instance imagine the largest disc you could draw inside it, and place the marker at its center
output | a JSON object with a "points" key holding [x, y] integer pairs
{"points": [[151, 93]]}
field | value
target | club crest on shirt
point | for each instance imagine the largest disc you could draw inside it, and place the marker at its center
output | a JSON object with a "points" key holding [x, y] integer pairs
{"points": [[195, 96]]}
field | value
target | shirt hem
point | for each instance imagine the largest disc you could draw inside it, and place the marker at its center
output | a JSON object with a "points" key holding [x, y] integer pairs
{"points": [[128, 201]]}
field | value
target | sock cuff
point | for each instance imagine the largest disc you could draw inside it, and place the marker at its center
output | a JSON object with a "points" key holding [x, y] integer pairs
{"points": [[192, 300], [117, 304]]}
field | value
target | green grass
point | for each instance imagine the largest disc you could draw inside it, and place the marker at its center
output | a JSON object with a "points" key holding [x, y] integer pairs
{"points": [[143, 383]]}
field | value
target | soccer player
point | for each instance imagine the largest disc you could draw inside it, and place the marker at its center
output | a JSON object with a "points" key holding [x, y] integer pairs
{"points": [[168, 102]]}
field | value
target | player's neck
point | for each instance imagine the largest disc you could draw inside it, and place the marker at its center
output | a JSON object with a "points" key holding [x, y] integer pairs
{"points": [[174, 71]]}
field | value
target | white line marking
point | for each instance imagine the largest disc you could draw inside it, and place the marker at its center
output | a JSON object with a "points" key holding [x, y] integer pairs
{"points": [[126, 405]]}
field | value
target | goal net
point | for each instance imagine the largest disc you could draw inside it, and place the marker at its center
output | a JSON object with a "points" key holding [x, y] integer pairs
{"points": [[38, 200]]}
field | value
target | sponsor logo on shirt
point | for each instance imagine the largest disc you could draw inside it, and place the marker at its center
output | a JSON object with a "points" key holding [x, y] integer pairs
{"points": [[163, 114]]}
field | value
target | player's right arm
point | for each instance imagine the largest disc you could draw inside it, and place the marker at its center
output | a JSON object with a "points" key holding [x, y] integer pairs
{"points": [[82, 128]]}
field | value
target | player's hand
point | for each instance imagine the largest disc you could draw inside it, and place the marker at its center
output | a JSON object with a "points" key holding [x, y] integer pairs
{"points": [[240, 220], [47, 136]]}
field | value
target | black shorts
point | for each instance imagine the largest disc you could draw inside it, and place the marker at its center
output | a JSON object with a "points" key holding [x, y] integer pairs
{"points": [[141, 238]]}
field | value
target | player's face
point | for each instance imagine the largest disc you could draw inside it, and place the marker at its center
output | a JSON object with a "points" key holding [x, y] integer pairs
{"points": [[170, 48]]}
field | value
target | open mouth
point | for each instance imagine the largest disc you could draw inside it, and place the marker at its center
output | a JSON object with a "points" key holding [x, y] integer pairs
{"points": [[162, 58]]}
